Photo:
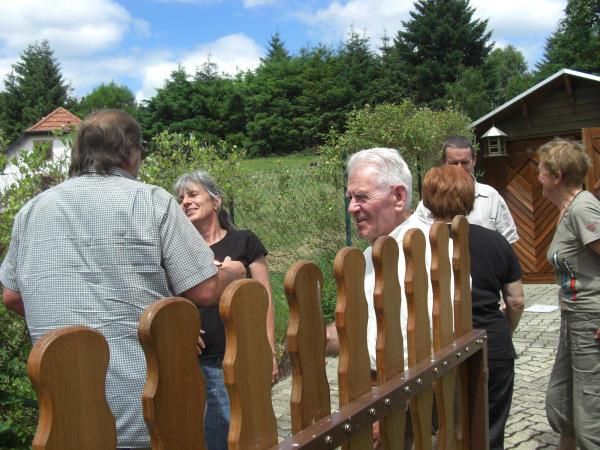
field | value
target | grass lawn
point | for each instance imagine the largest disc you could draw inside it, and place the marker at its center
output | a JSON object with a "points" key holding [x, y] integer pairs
{"points": [[276, 162]]}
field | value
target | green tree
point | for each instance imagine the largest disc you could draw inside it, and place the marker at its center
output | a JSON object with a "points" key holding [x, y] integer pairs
{"points": [[506, 74], [440, 37], [170, 109], [469, 93], [417, 132], [33, 88], [391, 84], [576, 42], [206, 105], [358, 71], [111, 95], [272, 93], [322, 103]]}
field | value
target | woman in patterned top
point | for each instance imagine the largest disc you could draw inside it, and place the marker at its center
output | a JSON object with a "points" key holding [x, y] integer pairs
{"points": [[573, 397], [201, 200]]}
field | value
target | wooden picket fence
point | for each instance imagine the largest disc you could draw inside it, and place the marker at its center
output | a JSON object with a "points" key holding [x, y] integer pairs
{"points": [[68, 366]]}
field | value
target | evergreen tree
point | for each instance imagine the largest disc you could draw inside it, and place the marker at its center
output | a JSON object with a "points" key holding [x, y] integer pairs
{"points": [[271, 103], [206, 105], [33, 88], [107, 96], [469, 93], [170, 109], [275, 49], [323, 101], [391, 83], [358, 71], [440, 37], [576, 42], [506, 75]]}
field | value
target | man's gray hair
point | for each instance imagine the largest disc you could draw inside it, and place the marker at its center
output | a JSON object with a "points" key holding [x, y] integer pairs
{"points": [[390, 167]]}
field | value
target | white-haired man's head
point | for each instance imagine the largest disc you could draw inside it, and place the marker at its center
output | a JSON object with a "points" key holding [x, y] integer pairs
{"points": [[379, 190]]}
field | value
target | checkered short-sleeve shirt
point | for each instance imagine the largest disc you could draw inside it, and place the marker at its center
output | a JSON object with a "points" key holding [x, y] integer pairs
{"points": [[96, 250]]}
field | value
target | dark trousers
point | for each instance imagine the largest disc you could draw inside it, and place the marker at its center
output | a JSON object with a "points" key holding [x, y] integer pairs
{"points": [[500, 391]]}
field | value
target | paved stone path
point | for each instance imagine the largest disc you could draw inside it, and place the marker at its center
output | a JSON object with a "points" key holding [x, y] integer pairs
{"points": [[535, 341]]}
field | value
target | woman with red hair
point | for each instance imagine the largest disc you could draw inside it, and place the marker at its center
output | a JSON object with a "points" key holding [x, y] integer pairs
{"points": [[449, 191]]}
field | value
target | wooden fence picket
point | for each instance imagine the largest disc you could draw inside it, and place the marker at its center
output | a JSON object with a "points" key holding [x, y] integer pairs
{"points": [[443, 331], [174, 395], [67, 368], [247, 366], [463, 318], [354, 369], [419, 331], [389, 347], [310, 398]]}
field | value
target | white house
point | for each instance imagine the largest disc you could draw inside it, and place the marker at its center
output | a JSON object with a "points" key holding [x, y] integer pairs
{"points": [[42, 133]]}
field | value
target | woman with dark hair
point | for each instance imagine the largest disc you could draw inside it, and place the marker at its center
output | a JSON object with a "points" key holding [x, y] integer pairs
{"points": [[449, 191], [573, 397], [201, 201]]}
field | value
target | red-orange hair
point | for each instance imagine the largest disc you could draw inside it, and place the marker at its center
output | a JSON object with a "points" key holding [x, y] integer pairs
{"points": [[448, 191]]}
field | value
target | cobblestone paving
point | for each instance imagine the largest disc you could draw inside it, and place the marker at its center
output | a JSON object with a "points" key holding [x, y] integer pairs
{"points": [[535, 342]]}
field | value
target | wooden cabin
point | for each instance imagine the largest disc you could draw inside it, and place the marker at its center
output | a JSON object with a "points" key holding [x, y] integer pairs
{"points": [[566, 104]]}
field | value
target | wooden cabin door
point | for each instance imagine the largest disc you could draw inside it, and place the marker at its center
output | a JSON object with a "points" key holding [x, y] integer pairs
{"points": [[591, 140], [534, 215]]}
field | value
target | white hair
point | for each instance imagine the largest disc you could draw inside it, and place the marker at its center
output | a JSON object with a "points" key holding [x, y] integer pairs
{"points": [[390, 167]]}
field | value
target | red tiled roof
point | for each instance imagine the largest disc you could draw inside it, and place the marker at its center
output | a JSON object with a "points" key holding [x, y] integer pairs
{"points": [[58, 119]]}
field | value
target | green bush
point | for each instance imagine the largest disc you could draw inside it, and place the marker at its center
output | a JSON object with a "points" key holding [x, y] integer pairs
{"points": [[417, 132], [18, 406]]}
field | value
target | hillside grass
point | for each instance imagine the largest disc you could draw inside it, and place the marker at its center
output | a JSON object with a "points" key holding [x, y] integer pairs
{"points": [[297, 216]]}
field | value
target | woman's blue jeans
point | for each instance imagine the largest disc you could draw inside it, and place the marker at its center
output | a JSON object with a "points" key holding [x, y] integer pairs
{"points": [[217, 413]]}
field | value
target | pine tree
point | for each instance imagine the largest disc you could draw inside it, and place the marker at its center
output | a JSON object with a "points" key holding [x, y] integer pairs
{"points": [[506, 74], [275, 49], [576, 42], [440, 37], [359, 70], [110, 95], [271, 104], [33, 88]]}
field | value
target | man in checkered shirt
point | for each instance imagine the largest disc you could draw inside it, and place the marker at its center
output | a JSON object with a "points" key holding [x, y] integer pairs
{"points": [[99, 248]]}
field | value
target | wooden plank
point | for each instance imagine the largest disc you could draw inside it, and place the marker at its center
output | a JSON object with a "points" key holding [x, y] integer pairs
{"points": [[443, 331], [310, 399], [389, 346], [478, 399], [173, 398], [463, 318], [419, 331], [67, 368], [591, 141], [247, 366], [354, 371]]}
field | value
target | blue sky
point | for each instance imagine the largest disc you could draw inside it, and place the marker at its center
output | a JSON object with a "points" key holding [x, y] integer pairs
{"points": [[139, 42]]}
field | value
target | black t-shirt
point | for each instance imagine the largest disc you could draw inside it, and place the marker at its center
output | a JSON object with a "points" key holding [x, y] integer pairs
{"points": [[239, 245], [493, 264]]}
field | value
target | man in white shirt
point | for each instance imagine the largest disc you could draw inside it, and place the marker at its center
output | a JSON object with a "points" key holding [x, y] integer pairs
{"points": [[379, 190], [489, 210]]}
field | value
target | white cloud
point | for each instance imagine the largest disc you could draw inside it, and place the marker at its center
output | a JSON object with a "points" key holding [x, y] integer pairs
{"points": [[231, 54], [518, 17], [255, 3], [82, 35], [73, 27], [525, 24], [190, 2], [374, 17]]}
